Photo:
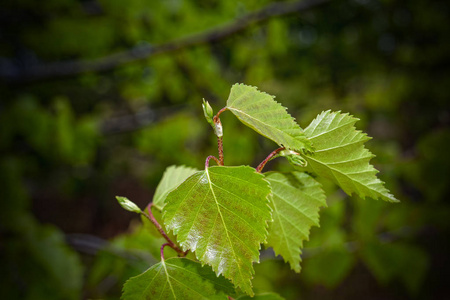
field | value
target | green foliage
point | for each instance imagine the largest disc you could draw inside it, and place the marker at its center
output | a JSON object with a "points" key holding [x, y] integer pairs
{"points": [[383, 61], [222, 214], [263, 114], [296, 200], [173, 177], [340, 156], [177, 278]]}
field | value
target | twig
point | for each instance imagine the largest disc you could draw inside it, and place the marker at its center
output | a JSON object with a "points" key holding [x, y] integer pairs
{"points": [[218, 127], [12, 73]]}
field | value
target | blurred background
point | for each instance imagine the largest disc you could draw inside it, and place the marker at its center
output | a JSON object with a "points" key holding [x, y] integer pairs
{"points": [[98, 97]]}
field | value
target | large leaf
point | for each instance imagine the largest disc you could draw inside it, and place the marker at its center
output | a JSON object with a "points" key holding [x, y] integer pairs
{"points": [[340, 156], [221, 213], [177, 278], [296, 201], [173, 176], [263, 114]]}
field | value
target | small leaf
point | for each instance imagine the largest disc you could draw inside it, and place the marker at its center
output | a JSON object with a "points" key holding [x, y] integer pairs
{"points": [[341, 157], [173, 176], [177, 278], [221, 213], [296, 201], [128, 205], [263, 114]]}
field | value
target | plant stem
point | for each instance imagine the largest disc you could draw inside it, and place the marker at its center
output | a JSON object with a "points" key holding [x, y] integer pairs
{"points": [[152, 219], [268, 158], [220, 148], [219, 112], [219, 133], [209, 158], [162, 250]]}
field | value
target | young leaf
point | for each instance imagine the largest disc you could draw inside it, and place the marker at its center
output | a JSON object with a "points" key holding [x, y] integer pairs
{"points": [[173, 176], [296, 201], [340, 156], [177, 278], [221, 213], [263, 114]]}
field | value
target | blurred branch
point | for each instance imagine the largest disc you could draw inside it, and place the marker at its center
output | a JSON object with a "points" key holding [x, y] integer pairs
{"points": [[138, 120], [13, 73]]}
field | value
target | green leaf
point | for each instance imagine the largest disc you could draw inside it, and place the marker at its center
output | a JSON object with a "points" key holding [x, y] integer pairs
{"points": [[263, 114], [128, 205], [177, 278], [263, 296], [340, 156], [296, 201], [221, 213], [173, 176]]}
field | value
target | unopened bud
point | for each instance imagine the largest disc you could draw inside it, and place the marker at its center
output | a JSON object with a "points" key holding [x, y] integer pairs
{"points": [[209, 113], [294, 158], [128, 205]]}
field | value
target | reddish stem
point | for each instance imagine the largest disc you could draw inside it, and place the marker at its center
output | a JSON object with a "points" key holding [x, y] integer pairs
{"points": [[268, 158], [208, 159], [220, 149], [152, 219], [216, 117], [162, 250], [219, 138]]}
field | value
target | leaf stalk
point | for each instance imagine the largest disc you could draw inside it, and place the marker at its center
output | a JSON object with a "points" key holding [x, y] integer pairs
{"points": [[268, 158], [209, 158]]}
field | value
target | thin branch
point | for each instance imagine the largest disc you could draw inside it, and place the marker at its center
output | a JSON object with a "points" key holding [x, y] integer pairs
{"points": [[219, 132], [12, 73], [152, 219]]}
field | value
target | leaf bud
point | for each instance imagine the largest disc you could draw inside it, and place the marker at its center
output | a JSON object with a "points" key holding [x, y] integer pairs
{"points": [[208, 111], [128, 205], [294, 158]]}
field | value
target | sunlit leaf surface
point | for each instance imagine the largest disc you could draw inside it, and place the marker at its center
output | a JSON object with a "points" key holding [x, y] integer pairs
{"points": [[341, 156], [263, 114], [221, 213], [177, 278], [296, 201]]}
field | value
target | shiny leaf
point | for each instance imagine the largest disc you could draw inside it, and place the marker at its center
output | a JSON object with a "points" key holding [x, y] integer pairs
{"points": [[221, 213], [263, 114], [296, 201], [177, 278], [173, 176], [341, 156]]}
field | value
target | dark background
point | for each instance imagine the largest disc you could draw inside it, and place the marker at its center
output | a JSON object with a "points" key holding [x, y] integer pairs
{"points": [[97, 98]]}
